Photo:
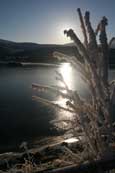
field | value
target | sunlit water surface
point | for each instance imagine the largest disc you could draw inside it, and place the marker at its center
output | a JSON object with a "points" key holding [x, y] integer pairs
{"points": [[21, 118]]}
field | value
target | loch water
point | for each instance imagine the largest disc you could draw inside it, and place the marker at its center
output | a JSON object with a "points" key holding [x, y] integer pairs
{"points": [[23, 119]]}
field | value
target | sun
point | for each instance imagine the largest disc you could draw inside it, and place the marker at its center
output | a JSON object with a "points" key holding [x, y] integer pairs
{"points": [[63, 38]]}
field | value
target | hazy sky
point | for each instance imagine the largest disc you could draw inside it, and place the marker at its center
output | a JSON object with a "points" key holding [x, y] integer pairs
{"points": [[43, 21]]}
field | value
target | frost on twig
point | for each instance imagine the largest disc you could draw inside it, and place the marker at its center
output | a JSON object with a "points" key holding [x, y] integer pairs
{"points": [[91, 118]]}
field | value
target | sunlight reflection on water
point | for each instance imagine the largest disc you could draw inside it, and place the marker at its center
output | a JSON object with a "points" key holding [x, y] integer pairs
{"points": [[71, 140], [64, 118], [66, 71]]}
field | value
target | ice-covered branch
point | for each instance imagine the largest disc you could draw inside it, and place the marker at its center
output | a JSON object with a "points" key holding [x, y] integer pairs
{"points": [[51, 104], [92, 116]]}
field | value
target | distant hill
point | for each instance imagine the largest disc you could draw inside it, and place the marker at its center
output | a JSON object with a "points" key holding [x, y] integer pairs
{"points": [[33, 52]]}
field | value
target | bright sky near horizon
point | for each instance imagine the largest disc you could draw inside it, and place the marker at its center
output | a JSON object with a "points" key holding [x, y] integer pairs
{"points": [[43, 21]]}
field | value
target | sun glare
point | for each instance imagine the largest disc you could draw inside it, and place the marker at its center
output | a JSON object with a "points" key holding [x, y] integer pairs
{"points": [[64, 39]]}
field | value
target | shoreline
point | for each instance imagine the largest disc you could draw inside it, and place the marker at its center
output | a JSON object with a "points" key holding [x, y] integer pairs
{"points": [[46, 154], [37, 64], [28, 64]]}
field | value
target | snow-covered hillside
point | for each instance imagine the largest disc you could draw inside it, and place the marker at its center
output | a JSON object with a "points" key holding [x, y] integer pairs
{"points": [[112, 43]]}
